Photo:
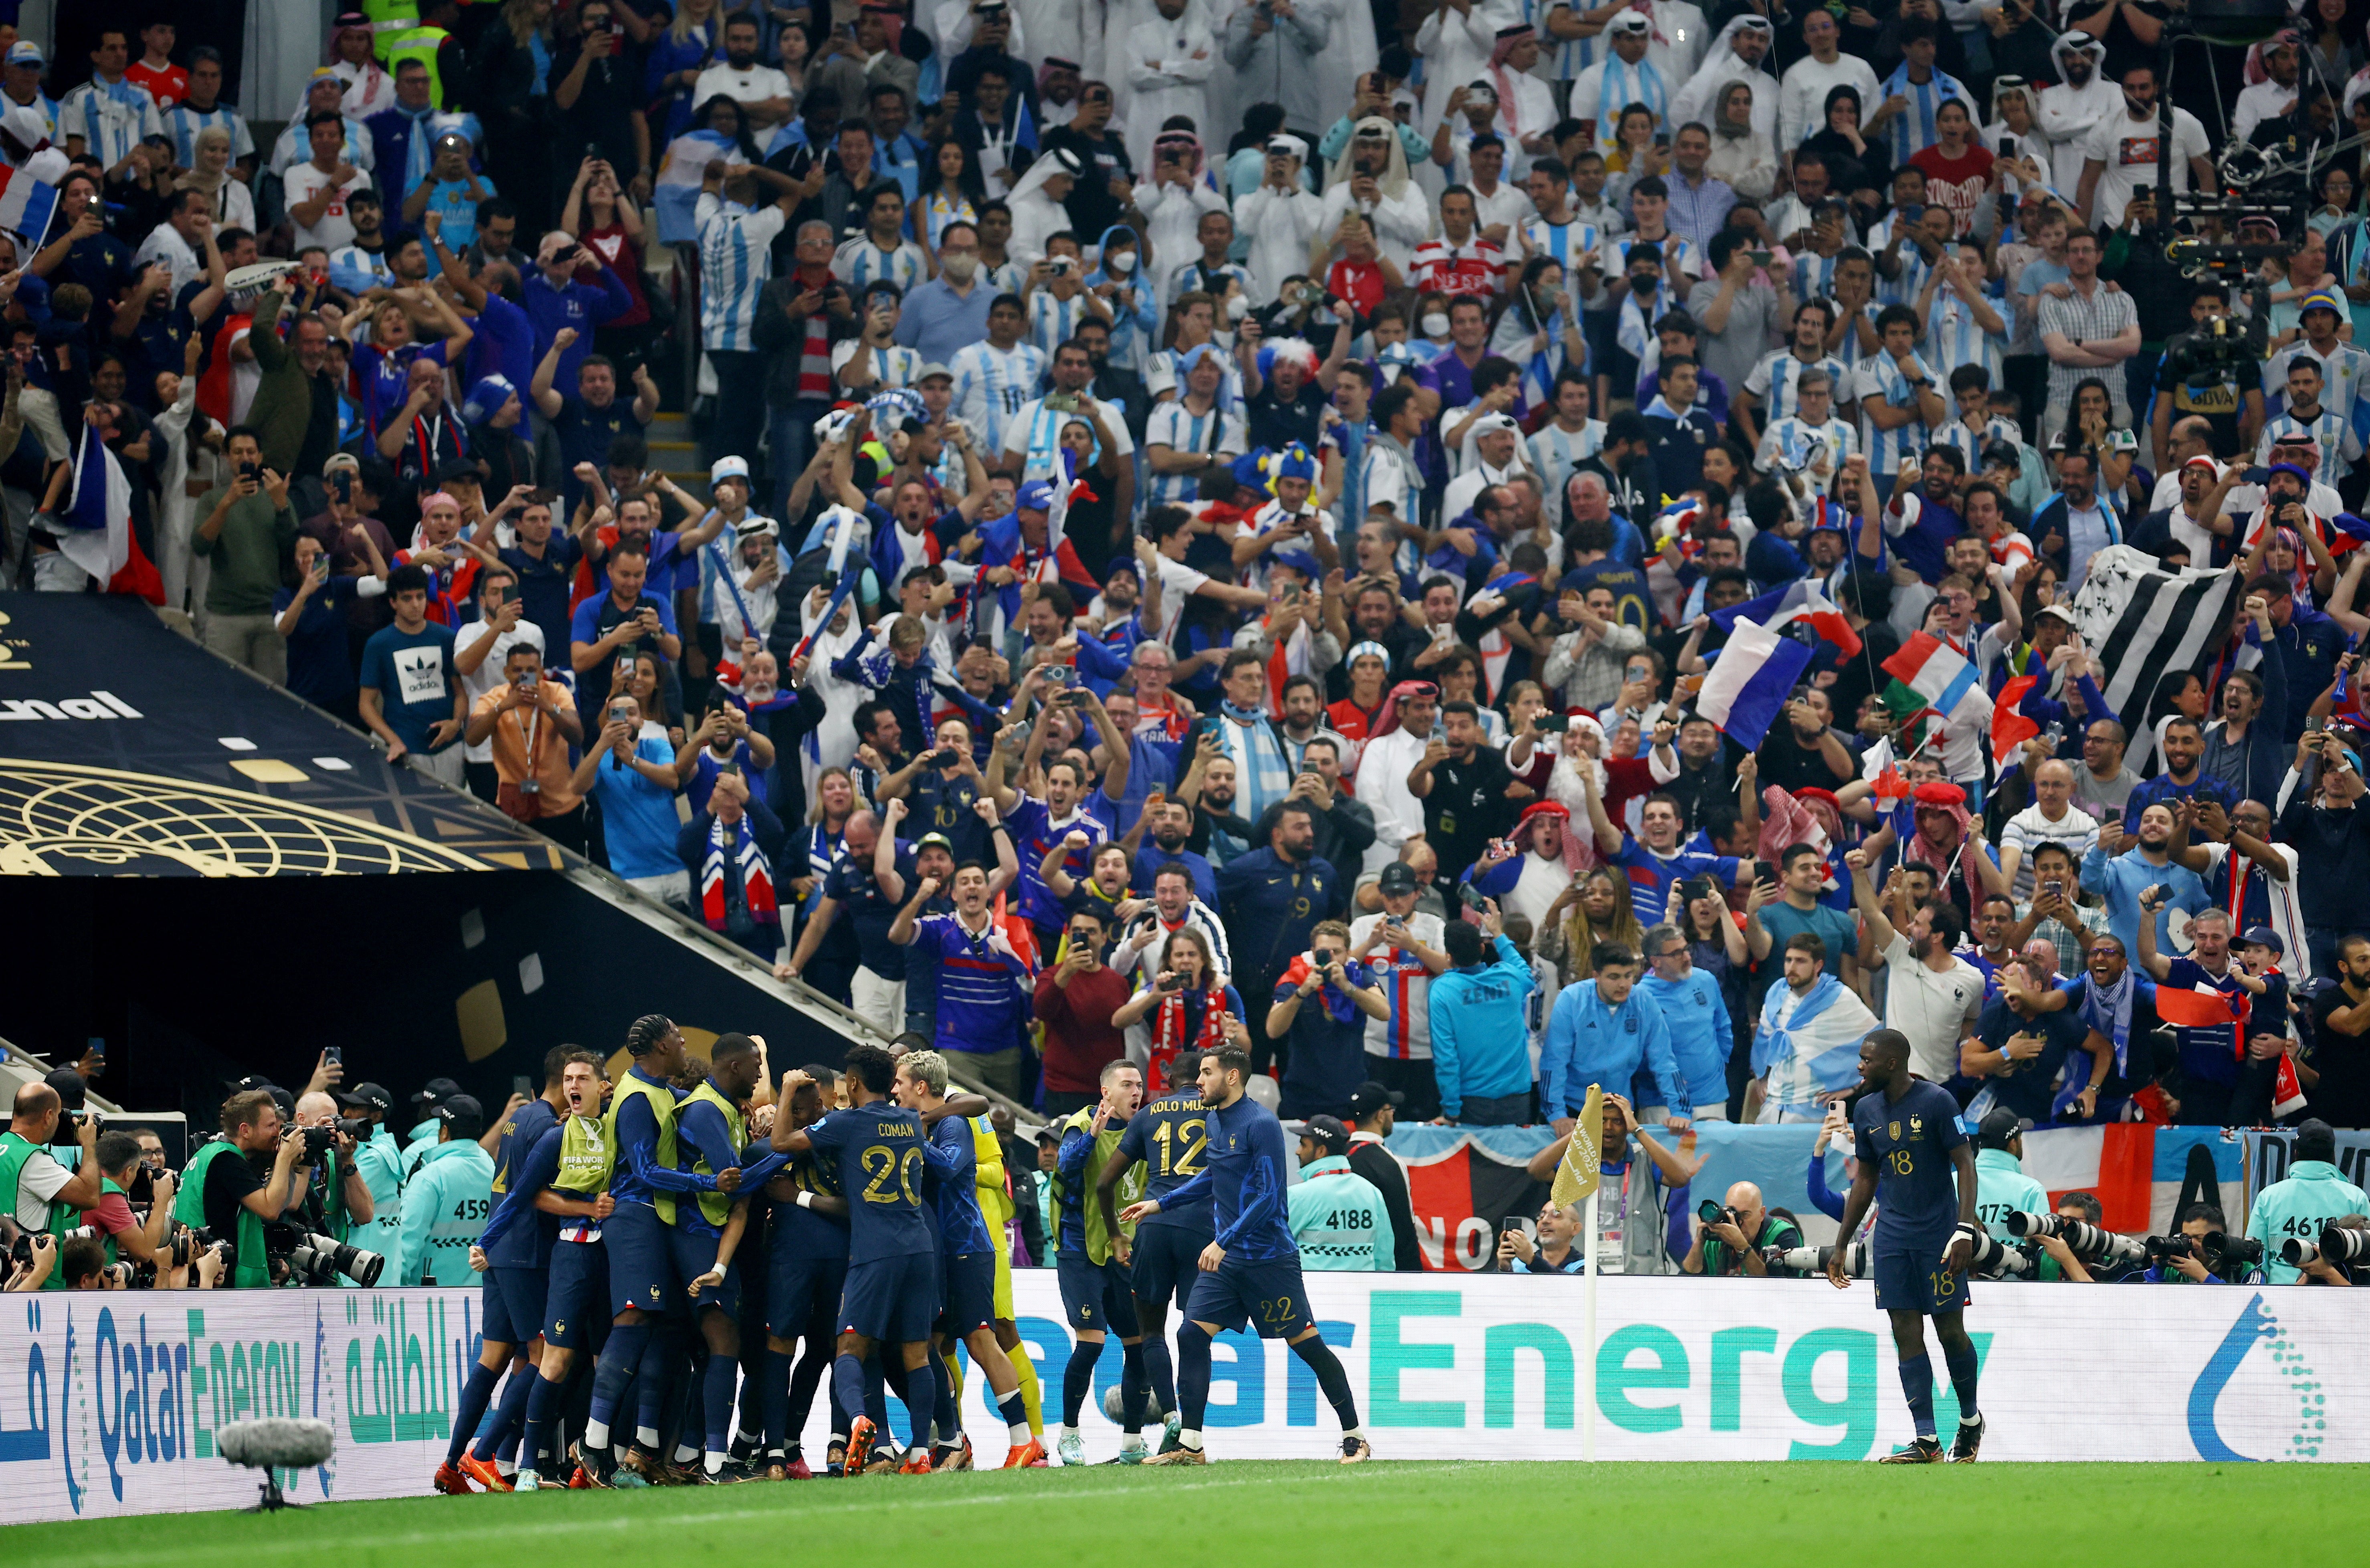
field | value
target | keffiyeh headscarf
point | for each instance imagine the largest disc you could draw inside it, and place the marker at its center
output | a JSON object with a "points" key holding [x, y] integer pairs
{"points": [[1394, 177]]}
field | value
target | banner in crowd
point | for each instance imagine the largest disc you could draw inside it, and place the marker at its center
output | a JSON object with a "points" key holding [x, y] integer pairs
{"points": [[1464, 1182], [2270, 1155], [109, 1404], [110, 1401]]}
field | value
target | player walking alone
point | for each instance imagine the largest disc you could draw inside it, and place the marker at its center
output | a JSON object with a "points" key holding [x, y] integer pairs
{"points": [[1911, 1145]]}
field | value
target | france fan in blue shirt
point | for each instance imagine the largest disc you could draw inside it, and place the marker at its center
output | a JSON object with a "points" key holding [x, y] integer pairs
{"points": [[1251, 1271], [893, 1283], [1911, 1148]]}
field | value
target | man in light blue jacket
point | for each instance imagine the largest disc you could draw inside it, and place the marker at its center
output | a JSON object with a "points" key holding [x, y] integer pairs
{"points": [[1480, 1039], [1602, 1032], [1702, 1036], [447, 1203]]}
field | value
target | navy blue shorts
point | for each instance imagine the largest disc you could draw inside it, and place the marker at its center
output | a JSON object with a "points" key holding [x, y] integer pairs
{"points": [[641, 1265], [891, 1301], [580, 1277], [1913, 1279], [801, 1287], [694, 1255], [515, 1304], [1095, 1296], [1166, 1260], [970, 1293], [1266, 1293]]}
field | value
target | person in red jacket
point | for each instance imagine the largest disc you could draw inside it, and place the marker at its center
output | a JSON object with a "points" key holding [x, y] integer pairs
{"points": [[1076, 999]]}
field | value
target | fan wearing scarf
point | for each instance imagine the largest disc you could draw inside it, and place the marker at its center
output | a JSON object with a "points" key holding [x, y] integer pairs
{"points": [[1806, 1047], [1624, 77], [1187, 1006], [2115, 1001], [730, 849]]}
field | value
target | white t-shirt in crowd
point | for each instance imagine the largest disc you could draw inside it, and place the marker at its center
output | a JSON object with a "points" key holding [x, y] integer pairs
{"points": [[335, 231], [1934, 1008]]}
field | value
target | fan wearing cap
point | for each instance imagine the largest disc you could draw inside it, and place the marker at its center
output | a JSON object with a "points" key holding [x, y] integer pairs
{"points": [[2344, 369], [1338, 1219], [1282, 216]]}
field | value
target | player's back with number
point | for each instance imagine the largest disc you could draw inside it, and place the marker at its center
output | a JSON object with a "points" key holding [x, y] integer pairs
{"points": [[876, 1151], [1910, 1140], [1171, 1136]]}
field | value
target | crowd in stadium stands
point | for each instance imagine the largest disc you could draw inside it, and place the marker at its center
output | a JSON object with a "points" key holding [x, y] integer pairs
{"points": [[1220, 526]]}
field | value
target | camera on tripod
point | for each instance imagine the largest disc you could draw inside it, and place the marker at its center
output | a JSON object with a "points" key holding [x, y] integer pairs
{"points": [[315, 1259], [2085, 1240]]}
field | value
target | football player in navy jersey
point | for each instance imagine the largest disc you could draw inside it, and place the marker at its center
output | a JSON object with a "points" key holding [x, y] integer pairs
{"points": [[1170, 1137], [1912, 1149]]}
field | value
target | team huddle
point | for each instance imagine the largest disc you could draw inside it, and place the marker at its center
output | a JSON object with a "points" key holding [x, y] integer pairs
{"points": [[867, 1212]]}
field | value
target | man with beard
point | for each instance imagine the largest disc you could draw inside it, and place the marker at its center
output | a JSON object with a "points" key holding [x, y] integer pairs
{"points": [[1391, 753], [2076, 104], [2120, 877], [1345, 825], [2121, 153], [1168, 824], [2183, 779], [1461, 780], [2075, 521], [1271, 900], [1933, 997]]}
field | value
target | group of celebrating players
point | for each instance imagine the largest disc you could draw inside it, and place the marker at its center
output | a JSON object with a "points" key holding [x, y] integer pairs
{"points": [[647, 1223]]}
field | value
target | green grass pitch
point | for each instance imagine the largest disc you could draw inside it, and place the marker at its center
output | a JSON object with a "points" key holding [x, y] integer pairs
{"points": [[1248, 1515]]}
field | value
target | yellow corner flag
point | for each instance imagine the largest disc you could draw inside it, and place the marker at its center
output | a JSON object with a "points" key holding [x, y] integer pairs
{"points": [[1577, 1175]]}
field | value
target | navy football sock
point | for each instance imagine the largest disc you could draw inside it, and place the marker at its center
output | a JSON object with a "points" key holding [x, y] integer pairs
{"points": [[1133, 1389], [722, 1372], [1192, 1375], [805, 1378], [662, 1363], [945, 1414], [543, 1410], [775, 1379], [1160, 1373], [475, 1395], [620, 1358], [509, 1412], [1078, 1379], [921, 1403], [1330, 1378], [1963, 1363], [1917, 1383], [847, 1381]]}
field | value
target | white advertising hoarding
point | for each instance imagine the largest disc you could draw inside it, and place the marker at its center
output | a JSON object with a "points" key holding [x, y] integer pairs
{"points": [[108, 1403]]}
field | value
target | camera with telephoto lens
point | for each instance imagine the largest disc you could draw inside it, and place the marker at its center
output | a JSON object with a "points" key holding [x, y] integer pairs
{"points": [[2085, 1240], [2162, 1250], [2221, 1250], [2344, 1245], [315, 1259], [1809, 1261], [320, 1141], [1995, 1259]]}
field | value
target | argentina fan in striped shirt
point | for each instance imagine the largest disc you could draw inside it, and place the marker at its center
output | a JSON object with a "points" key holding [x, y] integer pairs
{"points": [[1915, 91], [994, 378]]}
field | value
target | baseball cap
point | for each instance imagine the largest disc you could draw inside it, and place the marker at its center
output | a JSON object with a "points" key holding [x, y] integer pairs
{"points": [[2059, 611], [927, 839], [2204, 462], [1328, 1131], [463, 1114], [1397, 877], [1035, 496], [555, 245], [366, 1096], [69, 1085], [1999, 1125], [725, 468], [2262, 936], [488, 397], [934, 371], [1049, 1131], [25, 51], [1370, 1096], [251, 1082], [435, 1093]]}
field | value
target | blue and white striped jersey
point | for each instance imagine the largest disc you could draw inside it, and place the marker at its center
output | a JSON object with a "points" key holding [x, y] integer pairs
{"points": [[1954, 337], [1035, 432], [2344, 381], [1969, 443], [891, 366], [2340, 447], [991, 384], [1052, 321], [1216, 434], [736, 259], [1568, 57], [1814, 275], [1880, 381], [1556, 452], [1913, 128], [112, 121], [859, 264], [1774, 381], [182, 123], [1573, 245], [356, 270], [1161, 375]]}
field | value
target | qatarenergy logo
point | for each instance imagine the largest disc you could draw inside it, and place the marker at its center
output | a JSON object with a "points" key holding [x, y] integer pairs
{"points": [[2255, 1324]]}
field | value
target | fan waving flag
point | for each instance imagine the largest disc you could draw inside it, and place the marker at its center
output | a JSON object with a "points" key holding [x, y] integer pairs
{"points": [[2010, 728], [98, 518], [1795, 601], [1750, 681], [27, 204], [2141, 623]]}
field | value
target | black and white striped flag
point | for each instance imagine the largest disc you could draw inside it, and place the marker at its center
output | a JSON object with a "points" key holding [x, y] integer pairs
{"points": [[2142, 622]]}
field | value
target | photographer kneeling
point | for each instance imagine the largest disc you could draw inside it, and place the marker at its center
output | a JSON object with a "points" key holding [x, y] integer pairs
{"points": [[1729, 1238], [222, 1192]]}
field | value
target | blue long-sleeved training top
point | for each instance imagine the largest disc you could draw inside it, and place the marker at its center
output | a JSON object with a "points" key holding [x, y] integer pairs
{"points": [[639, 1173], [700, 1126], [1244, 1182]]}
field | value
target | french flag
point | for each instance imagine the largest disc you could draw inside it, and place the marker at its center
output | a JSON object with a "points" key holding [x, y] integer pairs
{"points": [[27, 204], [1795, 601], [1935, 672], [98, 517], [2134, 1168], [1750, 680]]}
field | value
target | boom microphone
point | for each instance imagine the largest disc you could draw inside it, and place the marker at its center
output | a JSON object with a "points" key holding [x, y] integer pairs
{"points": [[275, 1443]]}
